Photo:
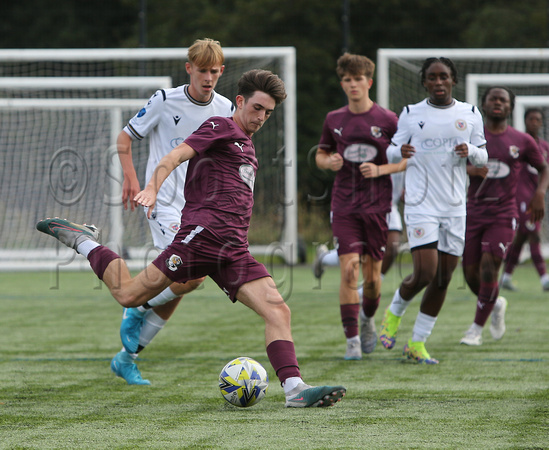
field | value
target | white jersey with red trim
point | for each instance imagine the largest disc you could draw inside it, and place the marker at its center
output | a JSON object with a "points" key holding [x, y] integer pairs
{"points": [[169, 117], [436, 176]]}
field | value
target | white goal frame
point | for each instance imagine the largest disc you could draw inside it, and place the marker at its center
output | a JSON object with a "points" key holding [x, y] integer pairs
{"points": [[384, 56], [63, 83], [288, 245], [474, 80]]}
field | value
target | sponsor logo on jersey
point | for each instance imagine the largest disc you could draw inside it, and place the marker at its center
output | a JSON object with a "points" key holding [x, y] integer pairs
{"points": [[359, 153], [142, 112], [440, 143], [497, 169], [376, 132], [461, 125], [240, 146], [173, 262], [176, 119], [421, 124], [247, 174], [338, 131], [213, 124], [514, 151]]}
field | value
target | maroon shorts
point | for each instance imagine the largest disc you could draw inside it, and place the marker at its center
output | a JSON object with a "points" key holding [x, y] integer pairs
{"points": [[487, 236], [196, 253], [365, 234]]}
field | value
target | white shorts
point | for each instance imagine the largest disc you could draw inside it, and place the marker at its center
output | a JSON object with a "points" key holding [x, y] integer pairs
{"points": [[449, 232], [164, 224], [394, 221]]}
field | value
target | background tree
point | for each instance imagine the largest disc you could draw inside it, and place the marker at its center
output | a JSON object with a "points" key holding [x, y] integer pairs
{"points": [[313, 27]]}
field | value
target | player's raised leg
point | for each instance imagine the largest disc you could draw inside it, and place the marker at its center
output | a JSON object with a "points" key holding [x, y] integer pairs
{"points": [[107, 265]]}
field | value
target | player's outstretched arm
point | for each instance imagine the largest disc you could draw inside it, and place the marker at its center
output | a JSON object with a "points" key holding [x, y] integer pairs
{"points": [[147, 197], [537, 204], [130, 186], [370, 170]]}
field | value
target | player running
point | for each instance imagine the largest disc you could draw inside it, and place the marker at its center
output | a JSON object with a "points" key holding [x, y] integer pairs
{"points": [[527, 229], [352, 135], [213, 237], [437, 136], [492, 209]]}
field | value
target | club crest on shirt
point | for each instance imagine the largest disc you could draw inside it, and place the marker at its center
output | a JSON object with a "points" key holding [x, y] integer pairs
{"points": [[247, 174], [418, 232], [461, 124], [173, 262], [514, 151], [376, 132]]}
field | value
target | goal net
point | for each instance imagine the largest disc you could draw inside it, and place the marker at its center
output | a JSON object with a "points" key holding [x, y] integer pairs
{"points": [[525, 71], [60, 114]]}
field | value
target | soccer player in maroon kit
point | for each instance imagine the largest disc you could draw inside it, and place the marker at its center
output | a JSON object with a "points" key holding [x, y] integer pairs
{"points": [[353, 135], [213, 238], [527, 229], [492, 209]]}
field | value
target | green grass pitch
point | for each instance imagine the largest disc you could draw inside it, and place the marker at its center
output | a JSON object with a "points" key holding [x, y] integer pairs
{"points": [[59, 332]]}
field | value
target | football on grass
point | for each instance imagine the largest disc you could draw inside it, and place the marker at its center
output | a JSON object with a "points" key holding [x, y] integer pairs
{"points": [[243, 382]]}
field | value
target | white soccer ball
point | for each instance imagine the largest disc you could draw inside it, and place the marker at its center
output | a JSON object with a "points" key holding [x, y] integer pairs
{"points": [[243, 382]]}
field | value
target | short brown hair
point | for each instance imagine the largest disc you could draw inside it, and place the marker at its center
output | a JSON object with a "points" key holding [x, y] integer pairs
{"points": [[264, 81], [206, 53], [355, 65]]}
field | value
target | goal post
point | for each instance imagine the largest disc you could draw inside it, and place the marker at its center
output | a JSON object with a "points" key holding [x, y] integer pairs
{"points": [[72, 103], [525, 71], [398, 82]]}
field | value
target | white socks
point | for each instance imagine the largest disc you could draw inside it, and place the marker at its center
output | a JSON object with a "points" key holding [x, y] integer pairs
{"points": [[165, 296], [398, 305], [85, 247], [423, 327], [291, 383], [152, 324]]}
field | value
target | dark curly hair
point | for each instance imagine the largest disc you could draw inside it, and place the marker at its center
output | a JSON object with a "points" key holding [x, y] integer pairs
{"points": [[446, 61]]}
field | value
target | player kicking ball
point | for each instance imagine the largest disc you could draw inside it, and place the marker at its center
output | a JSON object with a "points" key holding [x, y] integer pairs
{"points": [[212, 240]]}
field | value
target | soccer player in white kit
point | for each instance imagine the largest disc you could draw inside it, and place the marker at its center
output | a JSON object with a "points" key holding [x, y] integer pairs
{"points": [[169, 117], [436, 136]]}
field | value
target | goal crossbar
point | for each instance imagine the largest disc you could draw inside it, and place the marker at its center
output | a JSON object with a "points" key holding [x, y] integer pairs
{"points": [[63, 83]]}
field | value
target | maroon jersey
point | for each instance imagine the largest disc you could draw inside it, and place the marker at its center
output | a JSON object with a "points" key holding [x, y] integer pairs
{"points": [[495, 195], [359, 138], [220, 180], [529, 177]]}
